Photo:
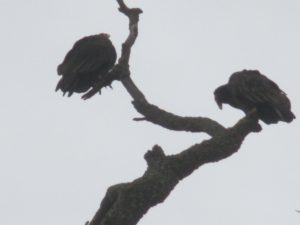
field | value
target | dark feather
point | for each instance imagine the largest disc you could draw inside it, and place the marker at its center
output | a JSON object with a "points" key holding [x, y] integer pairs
{"points": [[86, 63], [249, 89]]}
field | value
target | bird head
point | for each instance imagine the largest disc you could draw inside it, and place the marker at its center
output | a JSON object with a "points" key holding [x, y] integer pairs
{"points": [[105, 35], [221, 95]]}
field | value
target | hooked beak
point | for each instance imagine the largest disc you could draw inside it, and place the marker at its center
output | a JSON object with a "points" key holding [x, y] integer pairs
{"points": [[219, 103]]}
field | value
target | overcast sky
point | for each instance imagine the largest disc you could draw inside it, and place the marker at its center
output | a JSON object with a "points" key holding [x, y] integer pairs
{"points": [[59, 154]]}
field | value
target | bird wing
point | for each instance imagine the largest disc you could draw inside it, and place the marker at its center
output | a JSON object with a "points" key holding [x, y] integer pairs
{"points": [[88, 55], [256, 88]]}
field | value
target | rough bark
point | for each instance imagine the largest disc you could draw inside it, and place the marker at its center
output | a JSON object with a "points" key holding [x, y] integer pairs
{"points": [[126, 203]]}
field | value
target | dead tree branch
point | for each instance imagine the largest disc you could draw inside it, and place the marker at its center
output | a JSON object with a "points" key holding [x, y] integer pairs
{"points": [[126, 203], [173, 122]]}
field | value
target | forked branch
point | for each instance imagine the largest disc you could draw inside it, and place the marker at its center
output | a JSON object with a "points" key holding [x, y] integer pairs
{"points": [[126, 203]]}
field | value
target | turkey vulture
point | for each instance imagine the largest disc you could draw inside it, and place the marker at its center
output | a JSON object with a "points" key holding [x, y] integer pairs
{"points": [[249, 89], [87, 62]]}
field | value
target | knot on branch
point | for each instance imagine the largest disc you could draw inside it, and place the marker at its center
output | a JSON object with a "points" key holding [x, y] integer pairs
{"points": [[121, 71], [133, 13], [155, 157]]}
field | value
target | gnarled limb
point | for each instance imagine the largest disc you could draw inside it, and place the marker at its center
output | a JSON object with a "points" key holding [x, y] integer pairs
{"points": [[173, 122], [151, 112], [126, 203]]}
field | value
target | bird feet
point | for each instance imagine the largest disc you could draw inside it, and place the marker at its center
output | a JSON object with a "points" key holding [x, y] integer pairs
{"points": [[253, 115]]}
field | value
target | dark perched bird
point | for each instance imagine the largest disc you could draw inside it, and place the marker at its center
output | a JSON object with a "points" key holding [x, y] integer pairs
{"points": [[248, 90], [88, 61]]}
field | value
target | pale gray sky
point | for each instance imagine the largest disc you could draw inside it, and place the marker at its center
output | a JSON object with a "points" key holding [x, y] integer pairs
{"points": [[59, 155]]}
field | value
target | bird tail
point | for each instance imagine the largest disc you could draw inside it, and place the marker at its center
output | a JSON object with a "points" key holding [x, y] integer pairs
{"points": [[64, 84], [288, 116], [285, 115]]}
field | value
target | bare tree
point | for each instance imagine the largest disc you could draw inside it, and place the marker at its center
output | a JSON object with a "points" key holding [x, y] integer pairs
{"points": [[126, 203]]}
